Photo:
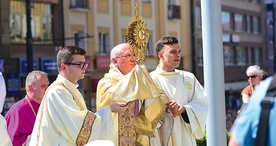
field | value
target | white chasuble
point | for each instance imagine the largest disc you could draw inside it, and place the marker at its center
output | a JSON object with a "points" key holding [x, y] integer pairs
{"points": [[63, 118], [183, 87]]}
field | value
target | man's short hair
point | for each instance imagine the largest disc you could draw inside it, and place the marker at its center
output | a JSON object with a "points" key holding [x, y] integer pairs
{"points": [[165, 41], [65, 54]]}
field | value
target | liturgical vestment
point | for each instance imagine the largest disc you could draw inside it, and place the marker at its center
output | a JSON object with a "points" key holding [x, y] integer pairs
{"points": [[63, 118], [184, 88], [136, 85]]}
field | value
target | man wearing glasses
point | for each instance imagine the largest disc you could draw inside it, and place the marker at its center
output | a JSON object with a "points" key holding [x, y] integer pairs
{"points": [[63, 118], [129, 82]]}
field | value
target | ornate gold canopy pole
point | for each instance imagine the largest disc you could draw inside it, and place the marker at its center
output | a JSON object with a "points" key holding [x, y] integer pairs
{"points": [[137, 36]]}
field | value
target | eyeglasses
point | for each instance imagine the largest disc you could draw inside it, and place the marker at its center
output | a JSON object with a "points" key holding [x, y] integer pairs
{"points": [[252, 77], [81, 65], [124, 57]]}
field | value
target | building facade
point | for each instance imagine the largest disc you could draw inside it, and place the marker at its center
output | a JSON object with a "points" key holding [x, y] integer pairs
{"points": [[244, 43], [99, 25], [106, 22], [46, 27]]}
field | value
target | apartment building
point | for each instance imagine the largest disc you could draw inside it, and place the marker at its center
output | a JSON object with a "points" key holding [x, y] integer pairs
{"points": [[244, 43]]}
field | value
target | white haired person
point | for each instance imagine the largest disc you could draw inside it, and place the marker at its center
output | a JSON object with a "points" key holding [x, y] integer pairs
{"points": [[254, 75]]}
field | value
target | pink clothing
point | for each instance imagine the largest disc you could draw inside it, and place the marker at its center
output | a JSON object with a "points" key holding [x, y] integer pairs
{"points": [[20, 120]]}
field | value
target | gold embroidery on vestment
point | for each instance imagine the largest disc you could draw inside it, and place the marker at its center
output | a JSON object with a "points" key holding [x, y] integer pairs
{"points": [[86, 129], [189, 85], [126, 124]]}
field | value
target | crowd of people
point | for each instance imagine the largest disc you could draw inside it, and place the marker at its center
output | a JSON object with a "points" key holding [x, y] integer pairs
{"points": [[165, 107]]}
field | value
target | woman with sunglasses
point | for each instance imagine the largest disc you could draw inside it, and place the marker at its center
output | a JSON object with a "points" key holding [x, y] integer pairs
{"points": [[254, 75]]}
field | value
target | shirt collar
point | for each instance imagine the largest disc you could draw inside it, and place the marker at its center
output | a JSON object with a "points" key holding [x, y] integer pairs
{"points": [[66, 82], [163, 72]]}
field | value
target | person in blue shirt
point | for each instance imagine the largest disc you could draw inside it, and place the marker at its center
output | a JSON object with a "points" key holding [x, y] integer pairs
{"points": [[245, 128]]}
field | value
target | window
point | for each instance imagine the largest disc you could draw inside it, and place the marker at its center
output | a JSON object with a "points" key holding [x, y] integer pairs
{"points": [[257, 55], [174, 10], [225, 18], [248, 24], [104, 43], [124, 39], [78, 4], [238, 22], [228, 55], [150, 47], [256, 24], [240, 58], [255, 1], [15, 27], [41, 22], [47, 22], [249, 55], [200, 55], [172, 2], [80, 40], [147, 1], [198, 17]]}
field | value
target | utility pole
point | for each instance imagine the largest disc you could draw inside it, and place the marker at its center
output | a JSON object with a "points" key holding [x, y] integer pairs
{"points": [[213, 71], [29, 45]]}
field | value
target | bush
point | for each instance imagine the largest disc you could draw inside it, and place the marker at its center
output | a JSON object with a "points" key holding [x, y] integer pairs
{"points": [[203, 141]]}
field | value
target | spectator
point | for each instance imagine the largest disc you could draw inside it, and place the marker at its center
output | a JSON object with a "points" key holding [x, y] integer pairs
{"points": [[245, 128], [254, 75]]}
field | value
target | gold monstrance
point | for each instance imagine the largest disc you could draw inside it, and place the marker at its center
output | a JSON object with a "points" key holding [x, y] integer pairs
{"points": [[137, 36]]}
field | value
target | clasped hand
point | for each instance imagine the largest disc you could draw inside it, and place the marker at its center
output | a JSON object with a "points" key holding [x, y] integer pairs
{"points": [[175, 108]]}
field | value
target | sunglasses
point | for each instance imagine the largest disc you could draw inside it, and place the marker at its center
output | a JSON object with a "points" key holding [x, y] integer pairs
{"points": [[252, 77], [81, 65]]}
